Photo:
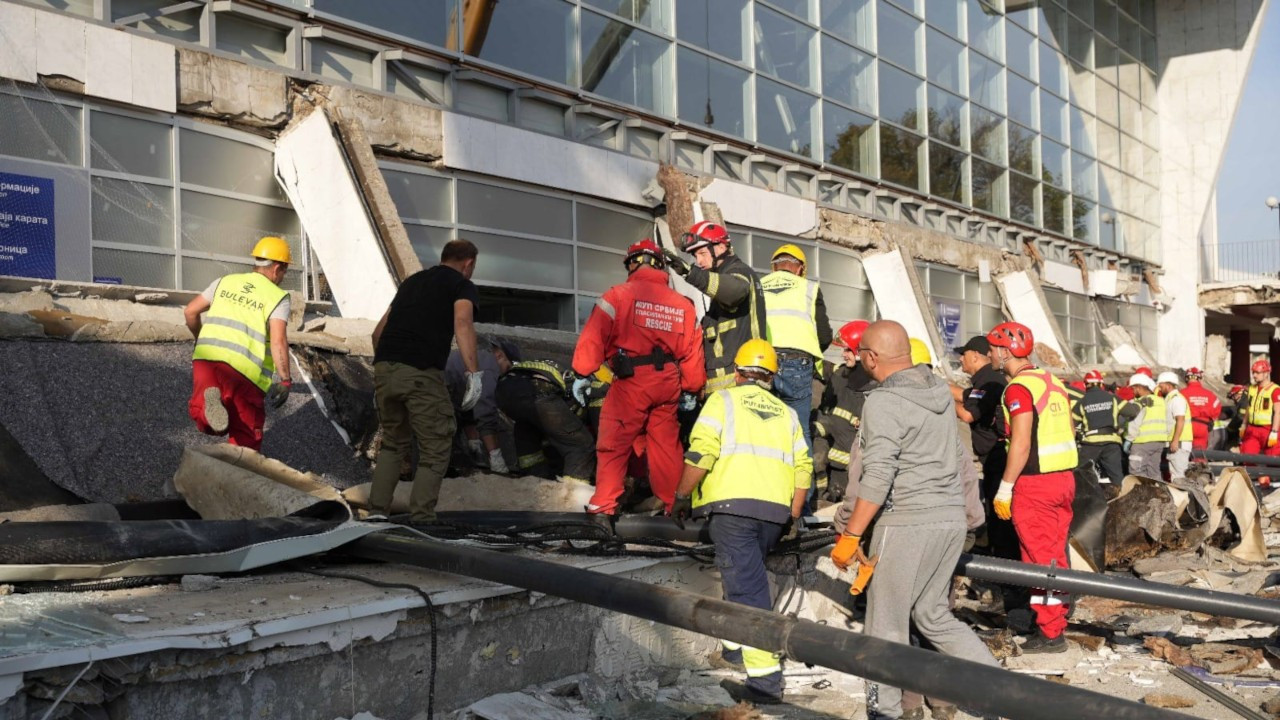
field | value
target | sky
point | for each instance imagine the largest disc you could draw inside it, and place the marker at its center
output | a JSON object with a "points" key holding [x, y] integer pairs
{"points": [[1251, 168]]}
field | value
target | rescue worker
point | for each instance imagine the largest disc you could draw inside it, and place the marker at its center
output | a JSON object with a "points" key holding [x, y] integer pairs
{"points": [[736, 312], [1148, 433], [1041, 464], [1125, 392], [648, 335], [1098, 416], [1235, 414], [241, 359], [1261, 434], [748, 470], [798, 328], [1206, 410], [840, 410], [912, 461], [480, 428], [1178, 419], [533, 394], [979, 406]]}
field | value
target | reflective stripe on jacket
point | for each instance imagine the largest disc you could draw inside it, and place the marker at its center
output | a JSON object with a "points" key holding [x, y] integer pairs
{"points": [[791, 312], [1260, 405], [235, 329], [545, 370], [1097, 412], [1053, 444], [753, 447], [725, 329], [1155, 426]]}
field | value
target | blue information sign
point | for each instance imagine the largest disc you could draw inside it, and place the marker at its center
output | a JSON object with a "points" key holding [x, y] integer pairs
{"points": [[948, 315], [27, 236]]}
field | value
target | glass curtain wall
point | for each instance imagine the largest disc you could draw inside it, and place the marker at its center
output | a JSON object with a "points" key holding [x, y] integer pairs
{"points": [[962, 306], [1076, 320]]}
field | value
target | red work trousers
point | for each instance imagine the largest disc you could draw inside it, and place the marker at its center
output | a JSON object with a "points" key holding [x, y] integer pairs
{"points": [[641, 406], [1199, 435], [1042, 519], [1255, 441], [241, 398]]}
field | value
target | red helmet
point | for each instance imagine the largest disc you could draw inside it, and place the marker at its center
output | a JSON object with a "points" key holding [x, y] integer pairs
{"points": [[1144, 370], [703, 234], [1261, 366], [1236, 391], [1093, 376], [1015, 336], [851, 334], [647, 252], [1194, 372]]}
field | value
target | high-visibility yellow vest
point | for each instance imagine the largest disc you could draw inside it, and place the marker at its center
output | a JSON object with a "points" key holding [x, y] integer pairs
{"points": [[1260, 408], [235, 329], [753, 447], [790, 303], [1154, 427], [1053, 444], [1173, 422], [543, 370]]}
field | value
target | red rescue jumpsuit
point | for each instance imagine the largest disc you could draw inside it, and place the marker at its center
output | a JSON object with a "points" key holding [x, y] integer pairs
{"points": [[1206, 408], [1261, 404], [639, 317]]}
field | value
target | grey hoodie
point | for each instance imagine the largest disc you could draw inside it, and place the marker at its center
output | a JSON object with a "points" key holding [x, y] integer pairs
{"points": [[911, 452]]}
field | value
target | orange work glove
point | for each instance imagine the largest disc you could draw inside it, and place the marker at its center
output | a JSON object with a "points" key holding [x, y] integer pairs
{"points": [[1003, 502], [844, 551], [1272, 439]]}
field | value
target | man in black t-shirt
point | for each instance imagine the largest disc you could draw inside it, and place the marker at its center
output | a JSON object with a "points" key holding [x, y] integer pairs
{"points": [[979, 406], [411, 346]]}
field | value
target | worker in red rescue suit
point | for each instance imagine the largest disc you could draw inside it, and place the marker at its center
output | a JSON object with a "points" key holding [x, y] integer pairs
{"points": [[737, 311], [1261, 434], [1125, 392], [1042, 458], [648, 334], [1206, 408]]}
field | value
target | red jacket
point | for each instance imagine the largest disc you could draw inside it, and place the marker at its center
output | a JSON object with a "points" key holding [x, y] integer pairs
{"points": [[1205, 406], [638, 316]]}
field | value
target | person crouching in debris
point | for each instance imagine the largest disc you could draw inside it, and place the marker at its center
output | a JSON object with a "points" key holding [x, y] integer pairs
{"points": [[534, 395], [911, 478], [748, 469], [241, 358]]}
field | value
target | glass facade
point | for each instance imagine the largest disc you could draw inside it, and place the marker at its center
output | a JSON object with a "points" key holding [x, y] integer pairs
{"points": [[952, 293]]}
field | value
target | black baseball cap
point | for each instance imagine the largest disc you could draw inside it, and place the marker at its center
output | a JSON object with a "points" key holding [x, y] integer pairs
{"points": [[977, 343]]}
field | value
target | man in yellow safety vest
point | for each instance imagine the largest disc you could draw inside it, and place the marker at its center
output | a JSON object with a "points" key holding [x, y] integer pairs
{"points": [[242, 347], [1261, 435], [1148, 433], [1178, 418]]}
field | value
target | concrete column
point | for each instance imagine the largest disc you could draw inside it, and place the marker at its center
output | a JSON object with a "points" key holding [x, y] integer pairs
{"points": [[1273, 353], [1239, 348]]}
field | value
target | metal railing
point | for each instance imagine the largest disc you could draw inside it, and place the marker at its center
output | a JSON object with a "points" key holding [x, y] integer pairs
{"points": [[1257, 260]]}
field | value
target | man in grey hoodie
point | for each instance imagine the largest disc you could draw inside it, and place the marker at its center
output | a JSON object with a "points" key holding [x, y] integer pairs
{"points": [[911, 478]]}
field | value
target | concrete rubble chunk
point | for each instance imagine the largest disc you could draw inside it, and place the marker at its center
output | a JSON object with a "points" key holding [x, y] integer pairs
{"points": [[1164, 649], [19, 325], [1046, 664], [1272, 706], [517, 706], [1223, 659], [147, 298], [1168, 625], [198, 583], [1167, 700]]}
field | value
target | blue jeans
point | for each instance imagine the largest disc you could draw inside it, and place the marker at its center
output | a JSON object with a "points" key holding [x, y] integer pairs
{"points": [[793, 384], [741, 545]]}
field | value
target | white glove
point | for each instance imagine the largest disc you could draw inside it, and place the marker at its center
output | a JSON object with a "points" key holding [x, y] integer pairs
{"points": [[688, 402], [497, 463], [581, 390], [472, 394], [1004, 501]]}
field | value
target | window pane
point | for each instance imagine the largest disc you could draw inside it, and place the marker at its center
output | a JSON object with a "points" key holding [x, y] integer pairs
{"points": [[847, 75], [421, 197], [849, 140], [1022, 198], [254, 40], [986, 29], [1022, 101], [1022, 51], [341, 62], [848, 303], [944, 14], [599, 226], [900, 97], [655, 15], [39, 130], [712, 93], [1085, 221], [946, 172], [218, 162], [946, 116], [1022, 149], [1053, 117], [133, 268], [1079, 42], [946, 62], [198, 273], [79, 7], [428, 241], [503, 209], [182, 25], [986, 82], [132, 212], [598, 270], [850, 20], [899, 37], [1082, 132], [1053, 161], [945, 284], [425, 20], [625, 64], [784, 117], [1108, 144], [838, 267], [1052, 72], [230, 227], [783, 47], [900, 156], [987, 131], [126, 145], [1055, 209], [532, 36], [717, 25], [521, 262], [988, 187]]}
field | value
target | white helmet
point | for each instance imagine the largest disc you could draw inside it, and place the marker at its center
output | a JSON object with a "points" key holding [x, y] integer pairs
{"points": [[1143, 380], [1168, 376]]}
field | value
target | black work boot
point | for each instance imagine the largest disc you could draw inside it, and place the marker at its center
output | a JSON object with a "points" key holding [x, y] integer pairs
{"points": [[1040, 644]]}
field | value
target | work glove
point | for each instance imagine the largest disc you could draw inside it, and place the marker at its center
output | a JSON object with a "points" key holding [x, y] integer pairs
{"points": [[471, 395], [1128, 444], [675, 262], [688, 402], [845, 550], [792, 529], [1272, 439], [497, 463], [278, 393], [681, 509], [582, 390], [1004, 501]]}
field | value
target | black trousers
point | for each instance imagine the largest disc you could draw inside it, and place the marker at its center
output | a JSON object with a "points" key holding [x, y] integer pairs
{"points": [[1108, 457], [1000, 533], [541, 414]]}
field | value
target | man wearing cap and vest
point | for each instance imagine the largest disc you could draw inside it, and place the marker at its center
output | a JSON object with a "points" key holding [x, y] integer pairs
{"points": [[1178, 419], [242, 347], [798, 329], [736, 312], [1262, 422], [1206, 410], [648, 334], [1099, 415], [1147, 435], [533, 394], [840, 410], [748, 470], [1041, 464]]}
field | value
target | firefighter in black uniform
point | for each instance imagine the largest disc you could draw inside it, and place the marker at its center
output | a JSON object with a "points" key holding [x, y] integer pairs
{"points": [[1100, 415], [534, 396], [840, 410]]}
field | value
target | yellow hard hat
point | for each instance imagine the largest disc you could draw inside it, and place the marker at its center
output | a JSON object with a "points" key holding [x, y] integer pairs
{"points": [[272, 247], [756, 353], [792, 250], [920, 353]]}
